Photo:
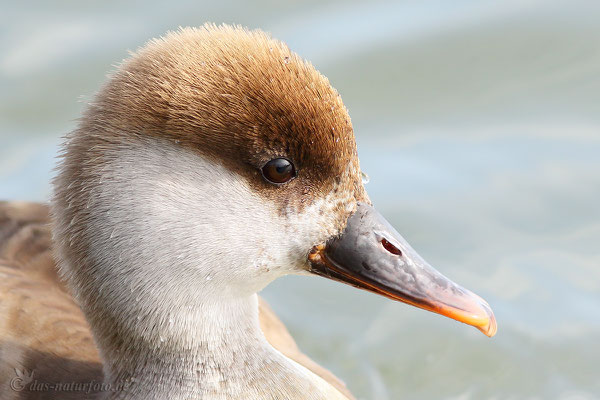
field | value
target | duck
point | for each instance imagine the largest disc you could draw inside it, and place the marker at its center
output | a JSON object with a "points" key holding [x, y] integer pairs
{"points": [[213, 161]]}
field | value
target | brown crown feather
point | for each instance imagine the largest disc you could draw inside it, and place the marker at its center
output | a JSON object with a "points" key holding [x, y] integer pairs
{"points": [[236, 95]]}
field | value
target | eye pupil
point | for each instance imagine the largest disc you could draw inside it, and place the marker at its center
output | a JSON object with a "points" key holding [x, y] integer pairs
{"points": [[283, 169], [279, 170]]}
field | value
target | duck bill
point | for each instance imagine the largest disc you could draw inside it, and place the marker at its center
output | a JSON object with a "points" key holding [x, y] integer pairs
{"points": [[371, 255]]}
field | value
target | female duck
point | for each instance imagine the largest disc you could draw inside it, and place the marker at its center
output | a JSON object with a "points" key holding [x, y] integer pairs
{"points": [[213, 161]]}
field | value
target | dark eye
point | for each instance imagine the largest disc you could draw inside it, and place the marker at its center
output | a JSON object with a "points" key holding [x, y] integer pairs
{"points": [[279, 170]]}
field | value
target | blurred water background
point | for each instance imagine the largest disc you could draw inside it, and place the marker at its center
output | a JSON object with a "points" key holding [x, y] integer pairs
{"points": [[479, 124]]}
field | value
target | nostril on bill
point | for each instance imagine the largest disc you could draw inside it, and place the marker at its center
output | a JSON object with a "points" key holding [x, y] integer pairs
{"points": [[391, 248]]}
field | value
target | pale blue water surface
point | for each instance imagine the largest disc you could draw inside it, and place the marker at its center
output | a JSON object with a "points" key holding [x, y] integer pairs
{"points": [[479, 125]]}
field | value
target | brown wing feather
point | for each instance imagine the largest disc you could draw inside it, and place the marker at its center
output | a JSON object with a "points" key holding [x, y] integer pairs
{"points": [[43, 330]]}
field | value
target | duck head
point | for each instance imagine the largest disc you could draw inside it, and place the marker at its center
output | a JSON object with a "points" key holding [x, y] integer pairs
{"points": [[212, 162]]}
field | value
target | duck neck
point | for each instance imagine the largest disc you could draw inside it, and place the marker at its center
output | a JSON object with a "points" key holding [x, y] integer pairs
{"points": [[213, 351], [199, 351]]}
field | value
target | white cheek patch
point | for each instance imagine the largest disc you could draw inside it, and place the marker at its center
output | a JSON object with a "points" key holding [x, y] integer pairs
{"points": [[173, 215]]}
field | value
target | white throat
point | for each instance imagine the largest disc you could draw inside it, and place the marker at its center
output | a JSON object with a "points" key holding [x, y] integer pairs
{"points": [[228, 358], [180, 247]]}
